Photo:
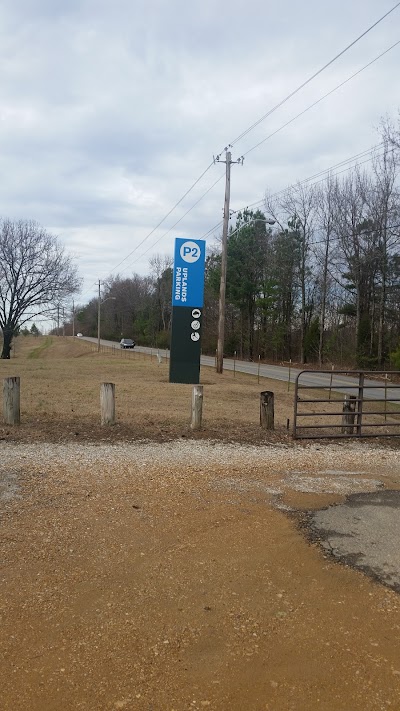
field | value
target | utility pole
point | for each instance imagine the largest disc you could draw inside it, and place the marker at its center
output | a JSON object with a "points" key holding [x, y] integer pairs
{"points": [[222, 289], [109, 298], [98, 319]]}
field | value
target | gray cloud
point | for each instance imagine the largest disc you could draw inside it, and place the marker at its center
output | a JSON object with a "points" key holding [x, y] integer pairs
{"points": [[109, 111]]}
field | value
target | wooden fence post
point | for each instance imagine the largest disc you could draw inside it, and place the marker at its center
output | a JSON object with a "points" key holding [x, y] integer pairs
{"points": [[349, 413], [267, 410], [11, 401], [107, 403], [197, 407]]}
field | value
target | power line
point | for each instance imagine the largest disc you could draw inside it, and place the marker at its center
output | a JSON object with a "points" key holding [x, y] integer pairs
{"points": [[177, 222], [363, 232], [258, 144], [244, 133], [352, 167], [317, 175], [310, 79], [206, 234], [361, 154], [343, 162], [161, 222], [321, 98], [294, 185], [164, 218]]}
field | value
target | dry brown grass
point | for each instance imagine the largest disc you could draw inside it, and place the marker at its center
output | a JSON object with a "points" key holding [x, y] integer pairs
{"points": [[60, 385]]}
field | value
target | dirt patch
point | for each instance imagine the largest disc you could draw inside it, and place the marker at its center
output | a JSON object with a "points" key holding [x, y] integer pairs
{"points": [[161, 576], [170, 573]]}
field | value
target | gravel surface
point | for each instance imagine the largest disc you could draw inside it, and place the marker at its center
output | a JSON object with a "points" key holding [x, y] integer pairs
{"points": [[357, 457], [152, 577]]}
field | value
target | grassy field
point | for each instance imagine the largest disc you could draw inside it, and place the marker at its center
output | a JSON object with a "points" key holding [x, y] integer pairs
{"points": [[60, 387], [60, 390]]}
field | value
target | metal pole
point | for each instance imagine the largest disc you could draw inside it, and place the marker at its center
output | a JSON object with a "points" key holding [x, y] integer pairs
{"points": [[330, 384], [386, 379], [360, 404], [290, 367], [222, 287]]}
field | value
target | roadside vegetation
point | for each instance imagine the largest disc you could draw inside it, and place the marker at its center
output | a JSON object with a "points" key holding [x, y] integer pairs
{"points": [[60, 397], [320, 286]]}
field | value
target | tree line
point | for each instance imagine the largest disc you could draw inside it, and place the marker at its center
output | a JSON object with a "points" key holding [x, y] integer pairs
{"points": [[320, 285], [137, 307], [323, 284]]}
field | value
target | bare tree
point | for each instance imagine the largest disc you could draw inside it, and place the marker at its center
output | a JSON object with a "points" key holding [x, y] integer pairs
{"points": [[391, 132], [357, 253], [385, 211], [297, 205], [35, 273], [161, 271], [325, 212], [132, 297]]}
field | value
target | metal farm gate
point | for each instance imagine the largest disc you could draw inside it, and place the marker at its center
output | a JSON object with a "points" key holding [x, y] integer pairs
{"points": [[342, 403]]}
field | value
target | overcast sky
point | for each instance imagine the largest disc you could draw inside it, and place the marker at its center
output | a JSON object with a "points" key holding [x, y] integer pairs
{"points": [[110, 111]]}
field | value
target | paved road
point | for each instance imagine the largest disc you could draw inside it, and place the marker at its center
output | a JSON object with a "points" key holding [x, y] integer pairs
{"points": [[340, 383], [364, 533]]}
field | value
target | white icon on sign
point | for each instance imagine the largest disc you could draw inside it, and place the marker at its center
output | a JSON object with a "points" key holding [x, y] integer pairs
{"points": [[195, 325], [195, 336], [196, 313], [190, 252]]}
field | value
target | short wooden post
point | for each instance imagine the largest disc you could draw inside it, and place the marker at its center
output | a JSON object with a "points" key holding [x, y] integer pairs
{"points": [[349, 413], [107, 403], [267, 410], [197, 407], [11, 401]]}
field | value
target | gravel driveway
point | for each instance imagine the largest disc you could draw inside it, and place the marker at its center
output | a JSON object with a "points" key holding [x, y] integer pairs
{"points": [[169, 576]]}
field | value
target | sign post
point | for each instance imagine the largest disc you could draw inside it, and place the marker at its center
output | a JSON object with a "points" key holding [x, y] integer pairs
{"points": [[187, 311]]}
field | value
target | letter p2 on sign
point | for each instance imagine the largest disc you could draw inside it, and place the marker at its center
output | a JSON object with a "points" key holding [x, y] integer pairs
{"points": [[190, 252]]}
